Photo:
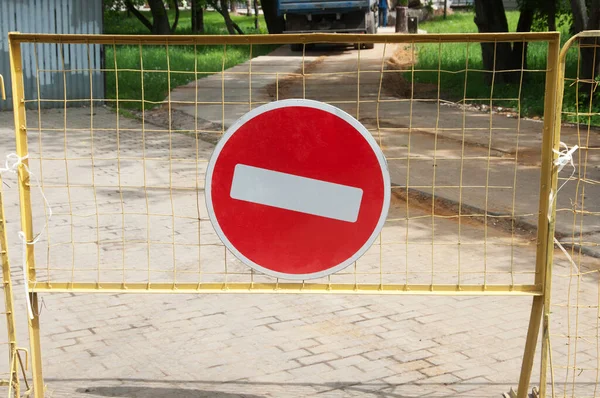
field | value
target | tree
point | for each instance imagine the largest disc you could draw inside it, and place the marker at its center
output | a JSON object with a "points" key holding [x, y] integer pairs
{"points": [[551, 9], [586, 16], [490, 17], [160, 18], [256, 20], [275, 23], [222, 7], [197, 12], [174, 4]]}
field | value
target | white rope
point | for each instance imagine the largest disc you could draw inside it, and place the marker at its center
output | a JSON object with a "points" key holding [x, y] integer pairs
{"points": [[562, 248], [11, 165]]}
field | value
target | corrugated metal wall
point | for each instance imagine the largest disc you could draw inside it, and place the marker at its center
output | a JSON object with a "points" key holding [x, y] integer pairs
{"points": [[53, 16]]}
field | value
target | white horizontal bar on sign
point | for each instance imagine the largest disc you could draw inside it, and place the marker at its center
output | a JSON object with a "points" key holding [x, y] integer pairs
{"points": [[295, 193]]}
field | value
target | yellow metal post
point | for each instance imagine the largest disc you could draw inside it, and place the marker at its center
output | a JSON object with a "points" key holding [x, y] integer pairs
{"points": [[545, 236], [8, 301], [559, 89], [530, 344], [16, 72], [2, 91]]}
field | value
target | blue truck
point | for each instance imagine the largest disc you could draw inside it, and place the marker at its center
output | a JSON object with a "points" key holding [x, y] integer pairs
{"points": [[333, 16]]}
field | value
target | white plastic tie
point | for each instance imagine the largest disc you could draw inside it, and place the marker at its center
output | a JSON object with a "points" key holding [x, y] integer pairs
{"points": [[11, 165], [565, 157]]}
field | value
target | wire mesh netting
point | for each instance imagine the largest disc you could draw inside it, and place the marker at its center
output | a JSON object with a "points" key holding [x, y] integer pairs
{"points": [[124, 174], [575, 343]]}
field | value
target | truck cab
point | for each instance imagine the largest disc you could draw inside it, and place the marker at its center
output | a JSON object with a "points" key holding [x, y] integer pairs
{"points": [[331, 16]]}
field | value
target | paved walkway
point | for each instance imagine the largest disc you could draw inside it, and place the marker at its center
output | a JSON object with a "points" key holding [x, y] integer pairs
{"points": [[262, 345], [513, 145]]}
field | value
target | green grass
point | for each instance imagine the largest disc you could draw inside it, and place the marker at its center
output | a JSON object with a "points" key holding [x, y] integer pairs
{"points": [[185, 63], [453, 59]]}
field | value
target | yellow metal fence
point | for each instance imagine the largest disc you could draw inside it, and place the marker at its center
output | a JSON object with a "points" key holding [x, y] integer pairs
{"points": [[12, 364], [575, 311], [113, 198]]}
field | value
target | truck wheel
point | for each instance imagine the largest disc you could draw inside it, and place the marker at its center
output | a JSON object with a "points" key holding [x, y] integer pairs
{"points": [[371, 29], [296, 47]]}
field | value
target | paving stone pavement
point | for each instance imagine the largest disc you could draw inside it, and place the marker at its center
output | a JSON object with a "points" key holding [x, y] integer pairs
{"points": [[270, 345]]}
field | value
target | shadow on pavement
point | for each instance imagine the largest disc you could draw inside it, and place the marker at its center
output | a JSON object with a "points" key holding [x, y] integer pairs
{"points": [[155, 392], [316, 50], [381, 390]]}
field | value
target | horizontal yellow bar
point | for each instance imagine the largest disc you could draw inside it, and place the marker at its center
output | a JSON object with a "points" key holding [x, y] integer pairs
{"points": [[312, 288], [588, 33], [16, 37]]}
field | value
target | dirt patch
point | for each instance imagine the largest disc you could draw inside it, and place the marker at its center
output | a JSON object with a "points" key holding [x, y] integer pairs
{"points": [[528, 157], [440, 11], [284, 86], [394, 79]]}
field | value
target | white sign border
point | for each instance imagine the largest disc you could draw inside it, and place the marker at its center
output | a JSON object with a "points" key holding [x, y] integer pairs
{"points": [[310, 104]]}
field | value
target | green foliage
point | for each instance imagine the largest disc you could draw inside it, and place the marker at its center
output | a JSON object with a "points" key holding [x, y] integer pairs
{"points": [[118, 5], [429, 6], [564, 16]]}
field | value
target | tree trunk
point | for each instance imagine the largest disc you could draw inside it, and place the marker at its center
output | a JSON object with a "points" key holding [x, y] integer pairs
{"points": [[552, 16], [175, 3], [131, 8], [248, 8], [519, 50], [160, 18], [594, 18], [233, 6], [222, 7], [590, 58], [197, 17], [256, 20], [231, 26], [275, 23], [579, 15], [490, 17]]}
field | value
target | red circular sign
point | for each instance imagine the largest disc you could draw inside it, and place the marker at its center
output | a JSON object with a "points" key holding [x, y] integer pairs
{"points": [[297, 189]]}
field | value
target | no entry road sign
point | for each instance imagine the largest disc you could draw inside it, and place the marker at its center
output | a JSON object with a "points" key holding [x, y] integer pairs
{"points": [[297, 189]]}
